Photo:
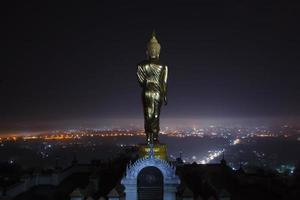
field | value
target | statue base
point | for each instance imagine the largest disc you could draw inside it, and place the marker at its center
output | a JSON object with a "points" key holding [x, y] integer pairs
{"points": [[160, 150]]}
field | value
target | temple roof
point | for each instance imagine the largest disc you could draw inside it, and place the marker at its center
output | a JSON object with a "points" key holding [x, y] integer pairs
{"points": [[76, 193], [113, 193], [187, 192]]}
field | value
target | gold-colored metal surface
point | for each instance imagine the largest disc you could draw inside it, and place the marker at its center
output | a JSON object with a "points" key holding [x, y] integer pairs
{"points": [[160, 151], [152, 76]]}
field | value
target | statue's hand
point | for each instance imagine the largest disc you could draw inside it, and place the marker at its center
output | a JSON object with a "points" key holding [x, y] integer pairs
{"points": [[166, 101]]}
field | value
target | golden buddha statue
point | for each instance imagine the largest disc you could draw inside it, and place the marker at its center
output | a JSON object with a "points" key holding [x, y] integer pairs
{"points": [[152, 76]]}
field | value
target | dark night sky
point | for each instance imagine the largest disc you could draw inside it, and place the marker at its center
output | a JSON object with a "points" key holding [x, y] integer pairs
{"points": [[78, 60]]}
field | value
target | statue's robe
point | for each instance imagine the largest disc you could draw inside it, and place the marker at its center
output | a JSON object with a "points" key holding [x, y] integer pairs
{"points": [[152, 77]]}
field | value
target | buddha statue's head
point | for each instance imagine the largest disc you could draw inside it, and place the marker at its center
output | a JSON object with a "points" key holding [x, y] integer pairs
{"points": [[153, 48]]}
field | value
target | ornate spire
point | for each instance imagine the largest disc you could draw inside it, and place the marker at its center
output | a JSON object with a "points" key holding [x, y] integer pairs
{"points": [[223, 161], [153, 33]]}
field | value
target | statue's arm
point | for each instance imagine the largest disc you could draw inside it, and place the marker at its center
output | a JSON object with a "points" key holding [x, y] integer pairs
{"points": [[140, 75], [165, 84]]}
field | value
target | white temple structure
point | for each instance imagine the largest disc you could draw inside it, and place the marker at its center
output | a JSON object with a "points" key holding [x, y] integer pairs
{"points": [[150, 178]]}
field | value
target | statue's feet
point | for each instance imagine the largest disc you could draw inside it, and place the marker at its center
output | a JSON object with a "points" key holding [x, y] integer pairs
{"points": [[156, 141]]}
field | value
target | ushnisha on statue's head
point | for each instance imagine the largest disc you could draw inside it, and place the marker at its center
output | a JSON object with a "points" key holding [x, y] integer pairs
{"points": [[153, 48]]}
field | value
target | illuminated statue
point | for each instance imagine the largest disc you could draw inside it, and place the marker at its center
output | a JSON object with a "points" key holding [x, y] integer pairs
{"points": [[152, 76]]}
